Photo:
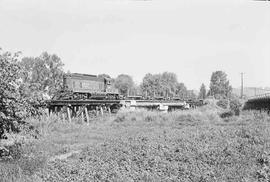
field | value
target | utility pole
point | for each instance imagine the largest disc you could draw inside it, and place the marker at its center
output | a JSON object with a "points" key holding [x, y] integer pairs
{"points": [[242, 85]]}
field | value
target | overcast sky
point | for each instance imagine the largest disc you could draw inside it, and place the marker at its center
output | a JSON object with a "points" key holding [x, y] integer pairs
{"points": [[190, 38]]}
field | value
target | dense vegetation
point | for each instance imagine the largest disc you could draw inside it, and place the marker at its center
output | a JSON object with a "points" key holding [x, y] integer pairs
{"points": [[192, 145], [23, 84]]}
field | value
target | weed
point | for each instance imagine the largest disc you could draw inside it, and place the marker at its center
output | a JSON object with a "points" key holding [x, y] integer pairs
{"points": [[193, 145]]}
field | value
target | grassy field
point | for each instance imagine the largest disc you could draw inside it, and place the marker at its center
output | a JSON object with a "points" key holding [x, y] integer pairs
{"points": [[195, 145]]}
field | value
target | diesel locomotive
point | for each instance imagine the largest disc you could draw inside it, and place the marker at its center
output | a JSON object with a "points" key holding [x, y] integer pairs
{"points": [[78, 86]]}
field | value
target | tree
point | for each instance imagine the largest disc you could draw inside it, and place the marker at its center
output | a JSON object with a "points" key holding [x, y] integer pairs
{"points": [[13, 108], [219, 85], [42, 75], [181, 90], [124, 83], [55, 76], [151, 85], [202, 94], [164, 84], [191, 95], [136, 90], [168, 83]]}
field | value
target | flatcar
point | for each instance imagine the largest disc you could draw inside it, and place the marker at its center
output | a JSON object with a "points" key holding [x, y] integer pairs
{"points": [[78, 86]]}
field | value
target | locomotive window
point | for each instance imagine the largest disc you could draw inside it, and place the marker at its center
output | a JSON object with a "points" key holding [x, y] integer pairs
{"points": [[81, 84]]}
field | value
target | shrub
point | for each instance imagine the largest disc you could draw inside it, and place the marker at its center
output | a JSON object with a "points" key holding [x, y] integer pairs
{"points": [[120, 118], [10, 101], [11, 152], [223, 103], [235, 106], [21, 159], [226, 114], [14, 106]]}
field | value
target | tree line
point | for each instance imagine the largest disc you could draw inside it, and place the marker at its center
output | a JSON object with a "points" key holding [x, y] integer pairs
{"points": [[41, 77], [166, 85]]}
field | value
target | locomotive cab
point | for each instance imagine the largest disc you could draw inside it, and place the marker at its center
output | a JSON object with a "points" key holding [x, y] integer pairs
{"points": [[107, 81]]}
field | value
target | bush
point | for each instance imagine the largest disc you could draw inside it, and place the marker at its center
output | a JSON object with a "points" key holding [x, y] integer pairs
{"points": [[14, 107], [21, 158], [235, 106], [11, 152], [223, 103], [226, 114], [120, 118]]}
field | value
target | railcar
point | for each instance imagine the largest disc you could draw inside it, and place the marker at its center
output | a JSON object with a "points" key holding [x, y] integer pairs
{"points": [[78, 86]]}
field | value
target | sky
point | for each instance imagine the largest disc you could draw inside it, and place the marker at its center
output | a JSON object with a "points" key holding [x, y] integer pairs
{"points": [[190, 38]]}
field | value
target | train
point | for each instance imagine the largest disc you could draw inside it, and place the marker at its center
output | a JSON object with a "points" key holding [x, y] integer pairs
{"points": [[77, 86]]}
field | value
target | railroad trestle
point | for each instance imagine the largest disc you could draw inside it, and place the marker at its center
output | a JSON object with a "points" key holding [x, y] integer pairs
{"points": [[86, 109]]}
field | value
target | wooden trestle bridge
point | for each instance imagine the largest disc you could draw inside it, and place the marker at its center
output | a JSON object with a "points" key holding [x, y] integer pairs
{"points": [[87, 108], [82, 108]]}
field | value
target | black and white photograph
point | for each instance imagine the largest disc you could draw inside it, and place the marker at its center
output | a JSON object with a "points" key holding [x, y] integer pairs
{"points": [[134, 91]]}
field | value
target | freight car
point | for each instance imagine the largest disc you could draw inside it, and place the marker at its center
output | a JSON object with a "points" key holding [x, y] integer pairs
{"points": [[78, 86]]}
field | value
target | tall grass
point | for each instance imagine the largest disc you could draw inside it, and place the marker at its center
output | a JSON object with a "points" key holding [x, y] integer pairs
{"points": [[193, 145], [173, 119], [29, 151], [178, 146]]}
